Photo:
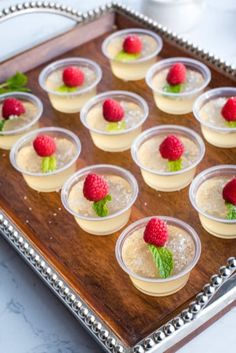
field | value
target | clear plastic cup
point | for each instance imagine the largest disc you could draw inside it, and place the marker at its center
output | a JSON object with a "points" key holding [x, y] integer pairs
{"points": [[113, 141], [177, 103], [219, 227], [52, 181], [136, 69], [9, 137], [158, 286], [219, 136], [162, 180], [71, 102], [101, 225]]}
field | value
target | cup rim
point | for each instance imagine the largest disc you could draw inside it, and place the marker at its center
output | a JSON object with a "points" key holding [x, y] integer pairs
{"points": [[198, 180], [63, 62], [207, 96], [88, 105], [165, 63], [29, 136], [84, 171], [146, 134], [30, 98], [144, 221], [133, 30]]}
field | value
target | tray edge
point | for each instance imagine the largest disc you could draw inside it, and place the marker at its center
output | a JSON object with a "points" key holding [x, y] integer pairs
{"points": [[83, 313]]}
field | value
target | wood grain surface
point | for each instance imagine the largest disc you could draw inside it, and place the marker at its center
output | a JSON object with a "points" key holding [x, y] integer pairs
{"points": [[88, 262]]}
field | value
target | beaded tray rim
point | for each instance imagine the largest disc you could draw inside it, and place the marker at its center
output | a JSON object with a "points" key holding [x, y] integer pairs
{"points": [[198, 311]]}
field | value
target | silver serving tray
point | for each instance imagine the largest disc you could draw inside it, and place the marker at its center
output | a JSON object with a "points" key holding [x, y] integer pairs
{"points": [[216, 296]]}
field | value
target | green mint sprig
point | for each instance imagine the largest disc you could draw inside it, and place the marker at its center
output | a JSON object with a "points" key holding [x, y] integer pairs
{"points": [[49, 164], [100, 207], [231, 124], [2, 123], [116, 126], [173, 88], [123, 56], [174, 166], [66, 89], [231, 210], [15, 83], [163, 259]]}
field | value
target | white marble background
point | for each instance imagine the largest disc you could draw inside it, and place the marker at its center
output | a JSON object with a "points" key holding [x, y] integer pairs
{"points": [[32, 320]]}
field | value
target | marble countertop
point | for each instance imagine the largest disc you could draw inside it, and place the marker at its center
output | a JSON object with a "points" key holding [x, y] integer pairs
{"points": [[32, 320]]}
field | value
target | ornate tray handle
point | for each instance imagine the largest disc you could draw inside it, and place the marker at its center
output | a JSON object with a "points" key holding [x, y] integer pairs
{"points": [[89, 319], [40, 7]]}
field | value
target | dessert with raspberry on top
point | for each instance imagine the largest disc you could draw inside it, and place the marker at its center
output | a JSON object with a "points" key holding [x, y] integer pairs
{"points": [[19, 113], [114, 119], [100, 198], [46, 157], [131, 52], [216, 112], [70, 83], [176, 83], [168, 156], [213, 195], [158, 254]]}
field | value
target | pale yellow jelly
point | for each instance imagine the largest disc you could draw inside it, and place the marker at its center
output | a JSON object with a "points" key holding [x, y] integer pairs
{"points": [[121, 193], [138, 259], [149, 157], [210, 114], [210, 201], [9, 134], [115, 140], [179, 104], [30, 162], [132, 70], [70, 103]]}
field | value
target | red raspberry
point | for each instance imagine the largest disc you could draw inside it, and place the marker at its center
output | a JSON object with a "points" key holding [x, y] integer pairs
{"points": [[112, 110], [229, 109], [229, 192], [156, 232], [176, 74], [171, 148], [95, 187], [44, 145], [132, 44], [73, 76], [12, 106]]}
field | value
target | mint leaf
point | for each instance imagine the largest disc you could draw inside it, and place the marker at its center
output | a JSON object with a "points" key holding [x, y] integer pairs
{"points": [[123, 56], [14, 89], [49, 164], [100, 207], [2, 123], [15, 83], [45, 164], [173, 89], [231, 210], [18, 80], [163, 259], [116, 126], [66, 89], [4, 90], [174, 166], [231, 124], [52, 163]]}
